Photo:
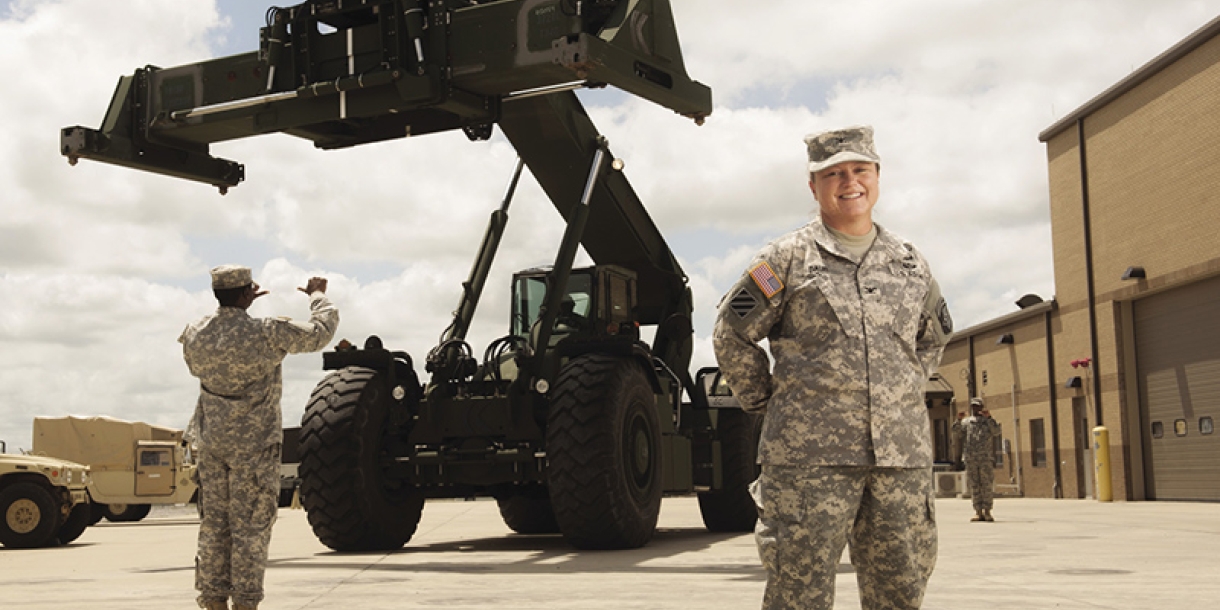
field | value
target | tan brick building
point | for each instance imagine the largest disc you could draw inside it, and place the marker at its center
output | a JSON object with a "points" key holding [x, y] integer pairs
{"points": [[1134, 179]]}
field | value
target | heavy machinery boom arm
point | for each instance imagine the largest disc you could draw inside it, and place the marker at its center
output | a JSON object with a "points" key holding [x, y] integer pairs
{"points": [[558, 141], [344, 73]]}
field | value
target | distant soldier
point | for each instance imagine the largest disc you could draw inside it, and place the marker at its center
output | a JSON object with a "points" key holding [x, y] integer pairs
{"points": [[856, 324], [976, 435], [237, 359], [958, 464]]}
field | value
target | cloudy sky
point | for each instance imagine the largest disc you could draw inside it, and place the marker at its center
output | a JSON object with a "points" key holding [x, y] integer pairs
{"points": [[101, 267]]}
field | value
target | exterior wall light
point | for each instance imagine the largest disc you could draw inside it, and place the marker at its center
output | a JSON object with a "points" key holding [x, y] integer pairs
{"points": [[1134, 273], [1028, 300]]}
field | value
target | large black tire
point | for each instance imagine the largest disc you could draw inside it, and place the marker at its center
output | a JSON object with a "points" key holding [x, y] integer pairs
{"points": [[125, 513], [76, 523], [528, 512], [351, 501], [29, 515], [731, 508], [96, 512], [604, 454]]}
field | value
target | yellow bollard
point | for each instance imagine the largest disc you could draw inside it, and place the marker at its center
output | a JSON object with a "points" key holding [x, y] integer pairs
{"points": [[1101, 463]]}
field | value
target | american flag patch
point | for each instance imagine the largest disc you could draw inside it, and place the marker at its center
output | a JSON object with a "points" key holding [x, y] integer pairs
{"points": [[766, 280]]}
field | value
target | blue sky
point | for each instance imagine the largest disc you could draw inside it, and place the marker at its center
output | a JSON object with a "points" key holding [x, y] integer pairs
{"points": [[101, 267]]}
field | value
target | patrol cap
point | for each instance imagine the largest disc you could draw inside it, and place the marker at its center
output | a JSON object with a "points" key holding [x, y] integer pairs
{"points": [[839, 146], [231, 276], [976, 402]]}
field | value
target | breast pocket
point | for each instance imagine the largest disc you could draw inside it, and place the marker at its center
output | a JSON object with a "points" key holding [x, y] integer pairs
{"points": [[901, 314], [810, 316], [909, 293]]}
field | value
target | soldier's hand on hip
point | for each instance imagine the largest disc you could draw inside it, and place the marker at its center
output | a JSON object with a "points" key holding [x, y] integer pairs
{"points": [[315, 284]]}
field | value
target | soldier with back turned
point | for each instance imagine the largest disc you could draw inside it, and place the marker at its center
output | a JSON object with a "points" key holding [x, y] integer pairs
{"points": [[238, 428]]}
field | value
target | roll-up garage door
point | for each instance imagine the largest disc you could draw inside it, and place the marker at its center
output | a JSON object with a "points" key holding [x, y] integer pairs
{"points": [[1177, 343]]}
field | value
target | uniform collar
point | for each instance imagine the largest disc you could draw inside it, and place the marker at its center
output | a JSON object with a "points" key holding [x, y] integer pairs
{"points": [[887, 245]]}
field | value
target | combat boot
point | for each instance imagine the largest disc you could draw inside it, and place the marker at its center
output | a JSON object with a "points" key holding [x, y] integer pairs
{"points": [[987, 515], [219, 604], [978, 516], [239, 606]]}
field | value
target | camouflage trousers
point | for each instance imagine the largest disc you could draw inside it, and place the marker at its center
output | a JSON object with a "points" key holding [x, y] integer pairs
{"points": [[980, 480], [807, 515], [237, 505]]}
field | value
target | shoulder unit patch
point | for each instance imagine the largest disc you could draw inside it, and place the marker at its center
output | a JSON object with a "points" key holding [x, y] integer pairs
{"points": [[743, 303], [942, 315]]}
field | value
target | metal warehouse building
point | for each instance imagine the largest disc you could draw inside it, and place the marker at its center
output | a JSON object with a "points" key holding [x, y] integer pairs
{"points": [[1131, 340]]}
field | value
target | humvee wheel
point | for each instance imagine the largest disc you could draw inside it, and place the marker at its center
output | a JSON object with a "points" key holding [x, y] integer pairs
{"points": [[731, 508], [75, 524], [125, 513], [604, 454], [528, 512], [30, 515], [96, 512], [351, 501]]}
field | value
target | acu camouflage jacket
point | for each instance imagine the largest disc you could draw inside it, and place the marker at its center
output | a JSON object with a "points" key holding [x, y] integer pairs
{"points": [[975, 435], [853, 346], [237, 359]]}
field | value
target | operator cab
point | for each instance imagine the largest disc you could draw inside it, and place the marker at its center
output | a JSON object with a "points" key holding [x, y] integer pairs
{"points": [[599, 303]]}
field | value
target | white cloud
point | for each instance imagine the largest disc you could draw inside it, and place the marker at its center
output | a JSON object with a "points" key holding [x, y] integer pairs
{"points": [[102, 266]]}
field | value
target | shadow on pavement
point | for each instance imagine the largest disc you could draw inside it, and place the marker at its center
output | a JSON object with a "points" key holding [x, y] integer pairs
{"points": [[538, 555]]}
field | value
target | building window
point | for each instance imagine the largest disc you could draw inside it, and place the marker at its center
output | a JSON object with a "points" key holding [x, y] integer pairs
{"points": [[1205, 425], [1037, 436], [1158, 429], [1179, 427], [997, 448]]}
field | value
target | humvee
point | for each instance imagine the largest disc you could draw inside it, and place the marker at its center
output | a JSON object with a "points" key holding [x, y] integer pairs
{"points": [[43, 501], [134, 465]]}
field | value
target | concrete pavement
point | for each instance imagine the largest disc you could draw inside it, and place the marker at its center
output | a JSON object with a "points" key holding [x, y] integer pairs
{"points": [[1062, 554]]}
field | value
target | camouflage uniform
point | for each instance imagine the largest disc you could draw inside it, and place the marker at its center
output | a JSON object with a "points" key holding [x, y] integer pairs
{"points": [[237, 359], [846, 449], [976, 436]]}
